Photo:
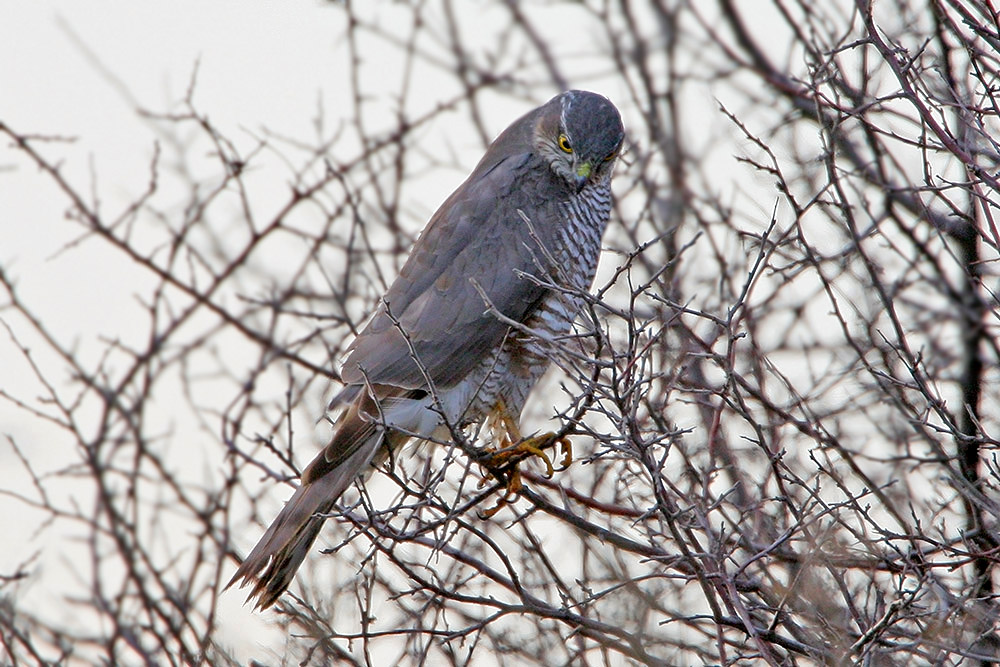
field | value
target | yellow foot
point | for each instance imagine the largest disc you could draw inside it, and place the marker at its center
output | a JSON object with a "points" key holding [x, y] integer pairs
{"points": [[514, 486], [513, 454]]}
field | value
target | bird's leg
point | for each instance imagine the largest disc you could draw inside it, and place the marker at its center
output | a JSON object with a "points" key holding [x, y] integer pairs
{"points": [[517, 448], [511, 432]]}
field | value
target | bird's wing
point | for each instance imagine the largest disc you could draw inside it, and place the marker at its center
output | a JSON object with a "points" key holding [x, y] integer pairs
{"points": [[477, 238]]}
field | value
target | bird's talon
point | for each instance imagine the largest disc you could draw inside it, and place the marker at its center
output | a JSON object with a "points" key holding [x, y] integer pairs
{"points": [[488, 514], [566, 446], [512, 454], [530, 448], [514, 486]]}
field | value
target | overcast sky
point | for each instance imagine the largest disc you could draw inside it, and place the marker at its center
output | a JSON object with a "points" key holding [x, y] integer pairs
{"points": [[80, 71]]}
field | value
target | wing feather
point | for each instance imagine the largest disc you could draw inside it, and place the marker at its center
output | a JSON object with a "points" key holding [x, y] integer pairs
{"points": [[476, 236]]}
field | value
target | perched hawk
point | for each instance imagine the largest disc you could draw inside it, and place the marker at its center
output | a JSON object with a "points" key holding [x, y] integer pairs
{"points": [[442, 347]]}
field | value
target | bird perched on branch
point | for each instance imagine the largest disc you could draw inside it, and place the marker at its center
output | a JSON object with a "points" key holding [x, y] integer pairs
{"points": [[460, 337]]}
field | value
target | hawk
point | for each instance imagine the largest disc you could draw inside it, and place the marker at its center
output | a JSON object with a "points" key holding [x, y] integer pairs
{"points": [[460, 337]]}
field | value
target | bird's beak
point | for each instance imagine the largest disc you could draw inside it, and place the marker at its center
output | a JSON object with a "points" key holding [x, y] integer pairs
{"points": [[583, 174]]}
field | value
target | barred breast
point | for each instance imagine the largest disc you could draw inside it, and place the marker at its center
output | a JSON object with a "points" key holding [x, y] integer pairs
{"points": [[507, 376]]}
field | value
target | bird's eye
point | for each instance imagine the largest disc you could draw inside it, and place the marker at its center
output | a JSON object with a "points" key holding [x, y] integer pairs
{"points": [[564, 144]]}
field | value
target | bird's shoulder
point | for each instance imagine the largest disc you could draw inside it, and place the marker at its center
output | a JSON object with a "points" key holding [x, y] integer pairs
{"points": [[475, 246], [477, 211]]}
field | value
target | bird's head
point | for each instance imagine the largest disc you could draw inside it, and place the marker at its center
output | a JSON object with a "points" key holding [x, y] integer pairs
{"points": [[579, 134]]}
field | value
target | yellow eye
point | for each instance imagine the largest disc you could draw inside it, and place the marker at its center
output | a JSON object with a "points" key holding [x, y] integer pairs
{"points": [[564, 144]]}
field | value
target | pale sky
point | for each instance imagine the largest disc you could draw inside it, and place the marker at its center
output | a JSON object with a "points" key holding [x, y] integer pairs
{"points": [[79, 70]]}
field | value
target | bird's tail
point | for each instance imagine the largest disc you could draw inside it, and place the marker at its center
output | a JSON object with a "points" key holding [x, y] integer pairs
{"points": [[287, 541], [357, 442]]}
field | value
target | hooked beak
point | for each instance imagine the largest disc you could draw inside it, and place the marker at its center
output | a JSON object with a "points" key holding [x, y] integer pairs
{"points": [[583, 174]]}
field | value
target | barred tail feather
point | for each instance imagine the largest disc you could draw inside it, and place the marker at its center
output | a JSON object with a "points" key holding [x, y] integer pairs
{"points": [[286, 543]]}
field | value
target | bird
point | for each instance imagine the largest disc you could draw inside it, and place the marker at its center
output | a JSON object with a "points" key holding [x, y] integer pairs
{"points": [[465, 330]]}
